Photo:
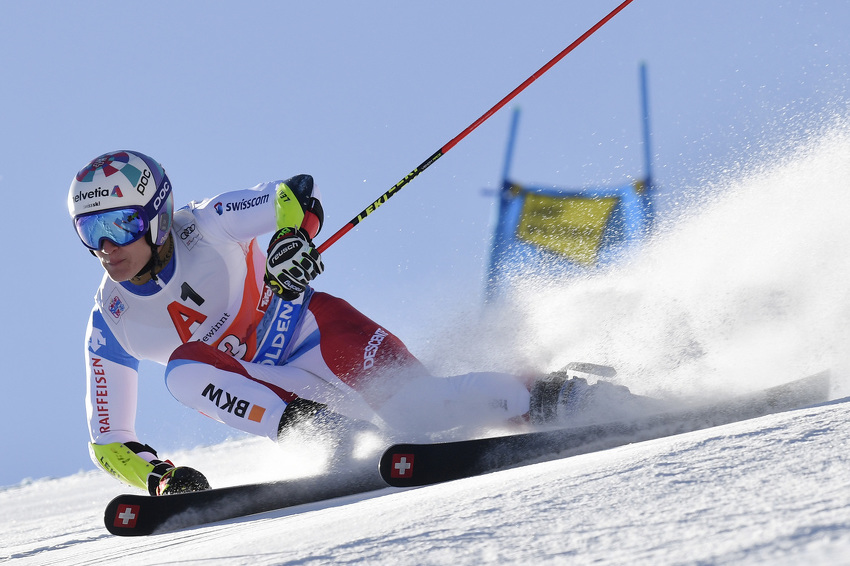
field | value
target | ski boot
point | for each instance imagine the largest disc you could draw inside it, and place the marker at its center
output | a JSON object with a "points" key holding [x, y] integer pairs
{"points": [[565, 398], [166, 479], [311, 422]]}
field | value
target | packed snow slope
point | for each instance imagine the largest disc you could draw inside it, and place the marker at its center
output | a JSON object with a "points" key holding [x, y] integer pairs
{"points": [[774, 490], [749, 291]]}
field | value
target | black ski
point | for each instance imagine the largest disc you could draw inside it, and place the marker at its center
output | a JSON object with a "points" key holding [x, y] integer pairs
{"points": [[138, 515], [407, 465]]}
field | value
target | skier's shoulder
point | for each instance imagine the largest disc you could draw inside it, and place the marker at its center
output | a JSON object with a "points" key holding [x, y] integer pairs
{"points": [[101, 293], [239, 214], [189, 224], [235, 200]]}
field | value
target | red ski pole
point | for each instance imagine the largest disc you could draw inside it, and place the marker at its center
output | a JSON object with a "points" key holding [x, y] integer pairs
{"points": [[454, 141]]}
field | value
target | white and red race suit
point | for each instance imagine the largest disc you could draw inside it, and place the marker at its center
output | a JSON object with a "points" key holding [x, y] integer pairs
{"points": [[238, 353]]}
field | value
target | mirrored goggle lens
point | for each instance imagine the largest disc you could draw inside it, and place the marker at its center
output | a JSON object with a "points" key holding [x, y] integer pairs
{"points": [[121, 227]]}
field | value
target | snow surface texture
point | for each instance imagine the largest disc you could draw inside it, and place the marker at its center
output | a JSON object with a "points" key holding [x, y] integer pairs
{"points": [[750, 292], [774, 490]]}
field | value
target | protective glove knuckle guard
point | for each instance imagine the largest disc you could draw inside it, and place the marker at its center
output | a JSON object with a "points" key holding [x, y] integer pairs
{"points": [[292, 263]]}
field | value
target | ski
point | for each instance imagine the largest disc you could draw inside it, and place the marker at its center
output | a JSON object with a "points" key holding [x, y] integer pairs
{"points": [[140, 515], [408, 465]]}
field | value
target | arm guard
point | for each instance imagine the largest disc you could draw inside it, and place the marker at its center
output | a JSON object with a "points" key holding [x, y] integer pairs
{"points": [[123, 462], [297, 205]]}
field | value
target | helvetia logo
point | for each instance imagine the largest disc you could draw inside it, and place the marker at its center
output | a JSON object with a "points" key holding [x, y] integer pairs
{"points": [[99, 192]]}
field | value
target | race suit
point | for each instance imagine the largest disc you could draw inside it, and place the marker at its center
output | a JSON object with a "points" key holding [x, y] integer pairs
{"points": [[239, 354]]}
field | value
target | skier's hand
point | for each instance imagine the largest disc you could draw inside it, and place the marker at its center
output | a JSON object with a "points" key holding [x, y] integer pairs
{"points": [[168, 479], [292, 263]]}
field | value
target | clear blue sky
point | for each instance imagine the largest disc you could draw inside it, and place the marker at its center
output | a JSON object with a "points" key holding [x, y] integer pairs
{"points": [[357, 94]]}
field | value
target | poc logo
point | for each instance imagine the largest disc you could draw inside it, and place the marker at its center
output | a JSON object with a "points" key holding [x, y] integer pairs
{"points": [[143, 182], [233, 405], [163, 192]]}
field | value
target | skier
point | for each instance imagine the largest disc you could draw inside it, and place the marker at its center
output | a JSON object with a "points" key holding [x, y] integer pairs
{"points": [[244, 337]]}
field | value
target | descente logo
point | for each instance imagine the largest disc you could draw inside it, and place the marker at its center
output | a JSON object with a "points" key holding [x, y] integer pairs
{"points": [[95, 193], [372, 347]]}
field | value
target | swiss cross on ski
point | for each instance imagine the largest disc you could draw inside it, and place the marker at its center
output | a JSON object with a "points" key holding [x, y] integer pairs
{"points": [[126, 516], [402, 466]]}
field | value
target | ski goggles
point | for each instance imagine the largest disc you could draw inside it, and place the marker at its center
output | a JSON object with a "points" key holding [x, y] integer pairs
{"points": [[121, 226]]}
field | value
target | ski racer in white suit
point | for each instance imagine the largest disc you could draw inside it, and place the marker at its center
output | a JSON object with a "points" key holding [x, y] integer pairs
{"points": [[245, 340]]}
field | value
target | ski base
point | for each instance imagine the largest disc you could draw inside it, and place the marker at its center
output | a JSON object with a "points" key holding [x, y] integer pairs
{"points": [[408, 465]]}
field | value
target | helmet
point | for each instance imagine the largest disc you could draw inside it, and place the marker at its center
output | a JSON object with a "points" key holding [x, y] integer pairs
{"points": [[121, 196]]}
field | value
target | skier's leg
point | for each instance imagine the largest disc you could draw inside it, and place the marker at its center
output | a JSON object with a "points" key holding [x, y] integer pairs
{"points": [[378, 365], [431, 404], [246, 396]]}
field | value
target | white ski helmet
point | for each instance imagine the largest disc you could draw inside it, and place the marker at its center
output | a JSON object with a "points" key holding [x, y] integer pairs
{"points": [[121, 196]]}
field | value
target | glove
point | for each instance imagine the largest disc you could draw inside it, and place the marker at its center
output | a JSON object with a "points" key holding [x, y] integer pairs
{"points": [[166, 479], [292, 263]]}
